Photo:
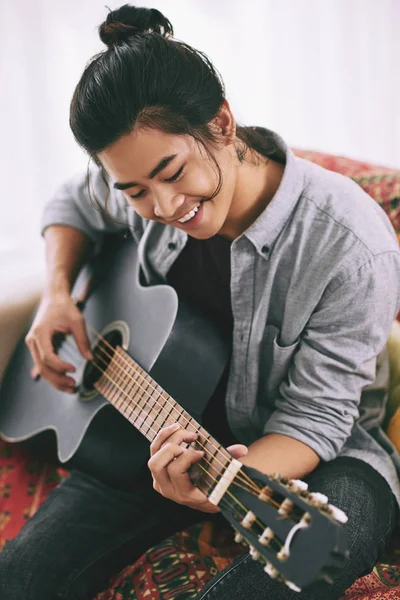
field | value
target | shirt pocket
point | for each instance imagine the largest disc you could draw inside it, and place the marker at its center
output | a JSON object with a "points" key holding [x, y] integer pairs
{"points": [[276, 360]]}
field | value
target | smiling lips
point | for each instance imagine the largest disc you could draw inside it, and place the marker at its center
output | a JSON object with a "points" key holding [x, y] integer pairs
{"points": [[189, 215]]}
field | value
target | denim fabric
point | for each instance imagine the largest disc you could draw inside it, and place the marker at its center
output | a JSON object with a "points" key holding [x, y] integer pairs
{"points": [[86, 531]]}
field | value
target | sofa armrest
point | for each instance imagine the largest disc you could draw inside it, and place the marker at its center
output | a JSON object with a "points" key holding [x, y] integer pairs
{"points": [[21, 284]]}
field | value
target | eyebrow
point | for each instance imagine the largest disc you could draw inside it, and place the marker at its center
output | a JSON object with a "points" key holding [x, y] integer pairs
{"points": [[164, 162]]}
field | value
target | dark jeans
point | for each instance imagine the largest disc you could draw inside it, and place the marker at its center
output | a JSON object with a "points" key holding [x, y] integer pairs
{"points": [[86, 531]]}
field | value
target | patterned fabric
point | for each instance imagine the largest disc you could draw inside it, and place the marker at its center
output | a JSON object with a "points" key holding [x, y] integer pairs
{"points": [[179, 567], [381, 183], [176, 569]]}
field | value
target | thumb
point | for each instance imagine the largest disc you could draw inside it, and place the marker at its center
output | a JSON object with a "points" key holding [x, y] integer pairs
{"points": [[237, 450], [82, 340]]}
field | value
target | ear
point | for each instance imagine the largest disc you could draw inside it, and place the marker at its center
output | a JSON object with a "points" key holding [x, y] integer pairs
{"points": [[224, 124]]}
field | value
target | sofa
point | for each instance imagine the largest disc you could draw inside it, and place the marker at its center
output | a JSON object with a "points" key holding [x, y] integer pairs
{"points": [[179, 567]]}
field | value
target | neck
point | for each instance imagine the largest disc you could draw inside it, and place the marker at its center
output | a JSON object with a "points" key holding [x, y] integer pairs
{"points": [[139, 398], [255, 188]]}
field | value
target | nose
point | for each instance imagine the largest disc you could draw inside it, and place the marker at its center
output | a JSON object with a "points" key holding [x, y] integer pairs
{"points": [[166, 207]]}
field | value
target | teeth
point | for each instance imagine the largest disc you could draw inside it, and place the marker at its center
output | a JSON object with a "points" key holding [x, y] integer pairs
{"points": [[189, 215]]}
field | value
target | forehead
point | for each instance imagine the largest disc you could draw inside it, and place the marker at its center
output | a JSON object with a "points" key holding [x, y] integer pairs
{"points": [[138, 152]]}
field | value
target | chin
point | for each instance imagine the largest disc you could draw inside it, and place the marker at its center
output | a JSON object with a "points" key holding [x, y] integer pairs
{"points": [[201, 235]]}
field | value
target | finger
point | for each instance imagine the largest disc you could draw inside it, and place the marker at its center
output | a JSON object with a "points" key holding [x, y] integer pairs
{"points": [[178, 472], [156, 487], [60, 382], [159, 461], [35, 373], [178, 468], [162, 437], [157, 465], [82, 339], [237, 450], [181, 437], [48, 357]]}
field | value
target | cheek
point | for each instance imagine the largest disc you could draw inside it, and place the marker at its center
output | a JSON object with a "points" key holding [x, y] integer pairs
{"points": [[200, 182], [144, 209]]}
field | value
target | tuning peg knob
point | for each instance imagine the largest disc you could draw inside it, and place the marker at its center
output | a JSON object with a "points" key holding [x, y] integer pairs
{"points": [[271, 570], [254, 553], [238, 537], [318, 497], [266, 537], [297, 485], [292, 585], [248, 520], [338, 514], [285, 507]]}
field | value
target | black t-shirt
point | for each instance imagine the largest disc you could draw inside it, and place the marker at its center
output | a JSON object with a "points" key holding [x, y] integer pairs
{"points": [[201, 277]]}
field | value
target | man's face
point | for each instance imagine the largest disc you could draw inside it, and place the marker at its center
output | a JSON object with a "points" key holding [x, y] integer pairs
{"points": [[168, 178]]}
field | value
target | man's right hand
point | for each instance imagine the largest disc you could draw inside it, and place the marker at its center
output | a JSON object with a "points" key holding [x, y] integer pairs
{"points": [[57, 314]]}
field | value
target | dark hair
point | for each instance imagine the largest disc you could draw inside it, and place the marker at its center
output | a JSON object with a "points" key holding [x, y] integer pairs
{"points": [[147, 79]]}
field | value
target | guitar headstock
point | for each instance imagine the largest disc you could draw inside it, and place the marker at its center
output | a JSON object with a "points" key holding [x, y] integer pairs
{"points": [[297, 534]]}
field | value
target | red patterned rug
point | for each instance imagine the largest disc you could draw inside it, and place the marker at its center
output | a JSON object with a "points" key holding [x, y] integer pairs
{"points": [[176, 569]]}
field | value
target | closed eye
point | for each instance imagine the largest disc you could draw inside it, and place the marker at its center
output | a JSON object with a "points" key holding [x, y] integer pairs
{"points": [[170, 180]]}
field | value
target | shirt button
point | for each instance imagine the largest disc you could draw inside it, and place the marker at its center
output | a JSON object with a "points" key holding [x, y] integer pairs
{"points": [[265, 249], [171, 246]]}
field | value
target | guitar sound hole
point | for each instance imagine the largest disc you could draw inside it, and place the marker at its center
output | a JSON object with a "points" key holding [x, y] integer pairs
{"points": [[103, 352]]}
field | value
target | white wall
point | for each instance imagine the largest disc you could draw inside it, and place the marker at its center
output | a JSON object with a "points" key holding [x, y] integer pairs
{"points": [[323, 73]]}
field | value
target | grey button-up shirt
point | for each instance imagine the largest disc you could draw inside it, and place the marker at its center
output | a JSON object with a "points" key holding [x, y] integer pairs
{"points": [[315, 286]]}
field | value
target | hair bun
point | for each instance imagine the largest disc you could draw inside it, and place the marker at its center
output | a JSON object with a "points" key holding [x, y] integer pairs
{"points": [[126, 21]]}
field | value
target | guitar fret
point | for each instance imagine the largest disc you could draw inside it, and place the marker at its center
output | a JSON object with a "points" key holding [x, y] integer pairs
{"points": [[121, 397], [138, 409], [145, 396], [160, 413], [135, 394], [150, 408]]}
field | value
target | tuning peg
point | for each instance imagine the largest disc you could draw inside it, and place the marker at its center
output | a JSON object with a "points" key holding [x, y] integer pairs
{"points": [[248, 520], [319, 498], [254, 553], [238, 537], [285, 507], [282, 554], [338, 514], [265, 493], [298, 485], [292, 585], [266, 537], [271, 570]]}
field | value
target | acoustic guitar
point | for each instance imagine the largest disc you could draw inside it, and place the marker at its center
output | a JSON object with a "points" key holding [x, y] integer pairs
{"points": [[156, 363]]}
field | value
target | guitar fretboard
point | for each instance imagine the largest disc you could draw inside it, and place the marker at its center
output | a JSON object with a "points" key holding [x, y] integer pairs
{"points": [[141, 400]]}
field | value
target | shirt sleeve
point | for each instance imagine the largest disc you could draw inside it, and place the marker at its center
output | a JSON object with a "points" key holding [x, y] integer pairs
{"points": [[318, 402], [72, 205]]}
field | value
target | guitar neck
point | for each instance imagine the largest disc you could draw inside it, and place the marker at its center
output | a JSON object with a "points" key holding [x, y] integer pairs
{"points": [[141, 400]]}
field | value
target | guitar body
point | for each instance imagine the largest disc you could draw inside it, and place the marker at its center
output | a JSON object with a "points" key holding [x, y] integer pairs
{"points": [[178, 348], [143, 339]]}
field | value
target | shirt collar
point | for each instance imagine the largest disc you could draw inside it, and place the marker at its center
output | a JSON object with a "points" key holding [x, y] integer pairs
{"points": [[266, 228]]}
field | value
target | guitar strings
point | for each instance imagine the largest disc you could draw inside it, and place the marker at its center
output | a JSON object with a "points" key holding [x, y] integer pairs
{"points": [[156, 402], [244, 477], [246, 480], [102, 339], [236, 501]]}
